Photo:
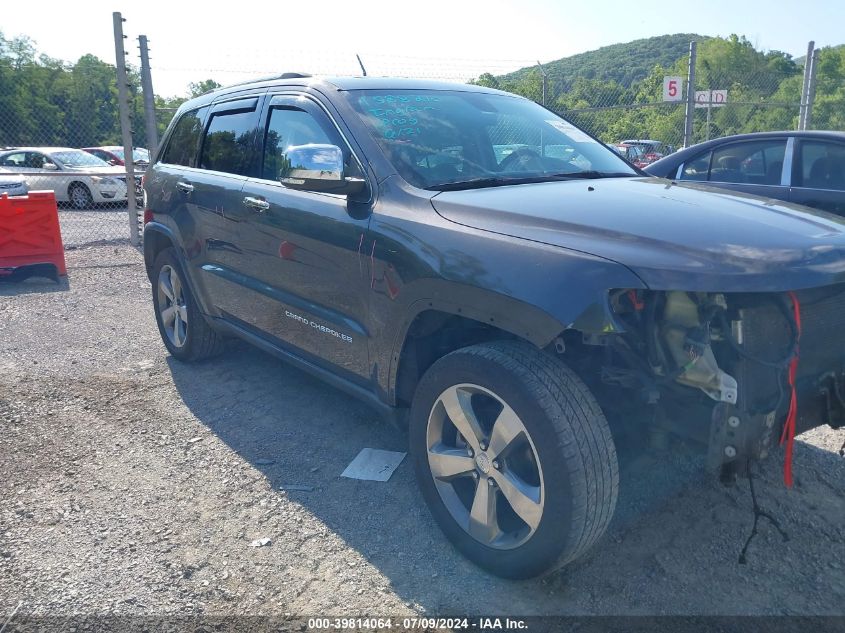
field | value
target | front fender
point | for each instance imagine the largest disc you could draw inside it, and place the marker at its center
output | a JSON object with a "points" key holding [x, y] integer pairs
{"points": [[539, 322]]}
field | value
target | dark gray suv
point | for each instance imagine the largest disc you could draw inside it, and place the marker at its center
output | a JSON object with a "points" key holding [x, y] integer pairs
{"points": [[477, 267]]}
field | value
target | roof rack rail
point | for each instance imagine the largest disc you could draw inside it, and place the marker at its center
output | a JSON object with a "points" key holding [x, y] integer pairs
{"points": [[260, 79]]}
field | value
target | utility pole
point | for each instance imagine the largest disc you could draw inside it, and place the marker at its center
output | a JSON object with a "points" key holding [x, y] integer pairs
{"points": [[125, 125], [149, 96], [808, 62], [811, 90], [690, 111], [545, 80]]}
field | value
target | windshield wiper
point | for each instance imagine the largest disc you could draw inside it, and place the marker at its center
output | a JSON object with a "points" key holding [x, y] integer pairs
{"points": [[478, 183], [498, 181], [576, 175]]}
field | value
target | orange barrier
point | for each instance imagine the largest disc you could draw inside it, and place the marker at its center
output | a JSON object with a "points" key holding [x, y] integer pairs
{"points": [[29, 234]]}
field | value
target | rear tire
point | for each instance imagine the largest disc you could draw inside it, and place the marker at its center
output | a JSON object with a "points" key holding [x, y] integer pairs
{"points": [[182, 326], [552, 462]]}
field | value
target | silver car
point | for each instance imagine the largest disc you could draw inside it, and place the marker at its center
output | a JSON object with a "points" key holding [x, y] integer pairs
{"points": [[74, 175], [12, 184]]}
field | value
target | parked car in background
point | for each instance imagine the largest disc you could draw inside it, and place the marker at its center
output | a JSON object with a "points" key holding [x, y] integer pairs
{"points": [[651, 151], [12, 184], [803, 167], [632, 153], [114, 155], [76, 176]]}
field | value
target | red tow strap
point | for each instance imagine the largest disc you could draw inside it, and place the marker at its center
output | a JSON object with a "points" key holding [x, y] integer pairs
{"points": [[788, 434]]}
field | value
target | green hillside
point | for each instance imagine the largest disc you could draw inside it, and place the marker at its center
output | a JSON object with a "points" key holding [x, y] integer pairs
{"points": [[623, 63], [617, 91]]}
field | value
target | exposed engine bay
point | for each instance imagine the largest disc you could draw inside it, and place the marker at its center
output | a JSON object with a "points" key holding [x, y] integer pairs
{"points": [[739, 372]]}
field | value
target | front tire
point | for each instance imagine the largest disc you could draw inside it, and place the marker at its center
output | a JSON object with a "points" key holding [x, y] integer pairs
{"points": [[514, 458], [183, 328], [80, 197]]}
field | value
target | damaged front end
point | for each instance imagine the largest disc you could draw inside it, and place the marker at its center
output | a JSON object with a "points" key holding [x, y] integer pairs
{"points": [[738, 371]]}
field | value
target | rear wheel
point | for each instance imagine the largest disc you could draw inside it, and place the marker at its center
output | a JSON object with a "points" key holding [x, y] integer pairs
{"points": [[514, 458], [80, 196], [183, 328]]}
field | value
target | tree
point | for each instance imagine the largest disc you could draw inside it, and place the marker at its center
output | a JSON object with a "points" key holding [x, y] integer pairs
{"points": [[201, 87]]}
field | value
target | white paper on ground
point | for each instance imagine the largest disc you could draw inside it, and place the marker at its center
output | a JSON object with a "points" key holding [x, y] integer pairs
{"points": [[373, 464]]}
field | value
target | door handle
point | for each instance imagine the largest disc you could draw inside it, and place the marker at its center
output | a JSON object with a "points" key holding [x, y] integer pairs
{"points": [[184, 187], [256, 203]]}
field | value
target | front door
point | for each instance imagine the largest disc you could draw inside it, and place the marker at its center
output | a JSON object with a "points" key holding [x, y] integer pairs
{"points": [[306, 251]]}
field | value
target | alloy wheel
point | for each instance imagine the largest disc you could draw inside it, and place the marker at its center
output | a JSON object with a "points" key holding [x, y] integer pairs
{"points": [[485, 466], [173, 308], [80, 198]]}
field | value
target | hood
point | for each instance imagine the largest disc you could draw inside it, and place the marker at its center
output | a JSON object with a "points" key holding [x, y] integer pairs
{"points": [[683, 237]]}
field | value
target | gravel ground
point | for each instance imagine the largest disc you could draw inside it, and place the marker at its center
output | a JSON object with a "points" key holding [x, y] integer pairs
{"points": [[133, 484]]}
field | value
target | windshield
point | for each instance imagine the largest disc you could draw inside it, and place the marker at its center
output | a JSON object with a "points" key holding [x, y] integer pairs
{"points": [[440, 139], [139, 154], [78, 158]]}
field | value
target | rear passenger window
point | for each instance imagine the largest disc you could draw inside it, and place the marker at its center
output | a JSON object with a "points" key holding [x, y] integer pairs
{"points": [[822, 165], [182, 147], [15, 160], [288, 127], [229, 142]]}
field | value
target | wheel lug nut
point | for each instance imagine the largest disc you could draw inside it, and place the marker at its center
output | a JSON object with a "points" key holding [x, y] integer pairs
{"points": [[496, 464], [483, 446], [475, 476], [490, 482], [469, 451]]}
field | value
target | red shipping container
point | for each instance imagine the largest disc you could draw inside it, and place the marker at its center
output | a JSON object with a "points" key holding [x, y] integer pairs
{"points": [[29, 234]]}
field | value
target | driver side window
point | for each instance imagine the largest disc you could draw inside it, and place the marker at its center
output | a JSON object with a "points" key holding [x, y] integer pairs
{"points": [[288, 127], [37, 160]]}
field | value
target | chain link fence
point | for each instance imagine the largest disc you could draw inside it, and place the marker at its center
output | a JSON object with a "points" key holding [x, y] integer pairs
{"points": [[60, 131], [727, 104], [60, 125], [92, 201]]}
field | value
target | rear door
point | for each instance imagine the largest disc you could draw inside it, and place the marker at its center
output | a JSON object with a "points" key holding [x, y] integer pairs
{"points": [[818, 175], [308, 275], [227, 156], [169, 185]]}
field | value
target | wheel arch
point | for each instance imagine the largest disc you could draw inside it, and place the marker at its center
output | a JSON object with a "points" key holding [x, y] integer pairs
{"points": [[485, 315], [78, 183], [157, 237]]}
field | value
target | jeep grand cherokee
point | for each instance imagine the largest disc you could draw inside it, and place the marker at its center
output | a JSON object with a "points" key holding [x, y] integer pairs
{"points": [[468, 258]]}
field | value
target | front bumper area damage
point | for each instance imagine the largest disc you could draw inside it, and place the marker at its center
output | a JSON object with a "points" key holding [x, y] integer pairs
{"points": [[741, 372]]}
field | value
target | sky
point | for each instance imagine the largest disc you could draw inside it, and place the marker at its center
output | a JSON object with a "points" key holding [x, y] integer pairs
{"points": [[443, 39]]}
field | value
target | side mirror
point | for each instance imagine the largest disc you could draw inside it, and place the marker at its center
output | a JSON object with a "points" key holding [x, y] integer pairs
{"points": [[317, 167], [50, 166]]}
